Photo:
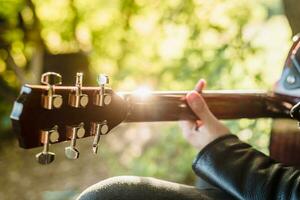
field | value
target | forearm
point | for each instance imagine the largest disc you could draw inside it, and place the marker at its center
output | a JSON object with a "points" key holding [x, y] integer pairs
{"points": [[246, 173]]}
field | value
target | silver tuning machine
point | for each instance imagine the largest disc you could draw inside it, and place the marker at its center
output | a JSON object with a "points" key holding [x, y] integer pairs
{"points": [[102, 98], [47, 137], [76, 98], [74, 132], [98, 129], [51, 100]]}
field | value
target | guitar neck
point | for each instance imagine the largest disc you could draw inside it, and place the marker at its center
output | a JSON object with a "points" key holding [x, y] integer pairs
{"points": [[172, 106], [30, 118]]}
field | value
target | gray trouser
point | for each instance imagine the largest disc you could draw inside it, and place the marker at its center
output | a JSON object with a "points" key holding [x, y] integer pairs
{"points": [[144, 188]]}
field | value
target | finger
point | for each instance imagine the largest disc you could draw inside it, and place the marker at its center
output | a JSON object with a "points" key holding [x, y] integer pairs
{"points": [[199, 106], [200, 85], [199, 123]]}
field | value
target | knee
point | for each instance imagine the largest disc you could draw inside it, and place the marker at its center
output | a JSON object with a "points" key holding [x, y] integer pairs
{"points": [[120, 187]]}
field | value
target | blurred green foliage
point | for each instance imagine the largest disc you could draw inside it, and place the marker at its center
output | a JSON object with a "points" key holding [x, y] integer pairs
{"points": [[167, 45]]}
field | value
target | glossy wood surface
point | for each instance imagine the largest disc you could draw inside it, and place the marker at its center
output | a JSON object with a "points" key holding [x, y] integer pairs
{"points": [[234, 104], [284, 142], [29, 117]]}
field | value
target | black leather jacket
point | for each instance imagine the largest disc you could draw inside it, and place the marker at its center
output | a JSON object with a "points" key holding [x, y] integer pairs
{"points": [[246, 173]]}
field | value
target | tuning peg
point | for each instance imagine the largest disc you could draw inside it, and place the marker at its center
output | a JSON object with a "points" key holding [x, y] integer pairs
{"points": [[74, 132], [102, 97], [98, 129], [76, 98], [47, 137], [51, 100]]}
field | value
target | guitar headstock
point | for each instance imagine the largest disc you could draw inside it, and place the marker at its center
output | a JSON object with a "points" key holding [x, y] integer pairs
{"points": [[50, 113]]}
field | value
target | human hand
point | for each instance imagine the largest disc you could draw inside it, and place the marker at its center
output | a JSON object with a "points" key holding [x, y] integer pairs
{"points": [[201, 132]]}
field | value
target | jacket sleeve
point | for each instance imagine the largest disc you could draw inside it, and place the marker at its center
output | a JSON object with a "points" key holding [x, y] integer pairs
{"points": [[246, 173]]}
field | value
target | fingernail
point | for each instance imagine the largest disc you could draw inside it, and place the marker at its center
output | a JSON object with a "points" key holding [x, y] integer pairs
{"points": [[200, 85]]}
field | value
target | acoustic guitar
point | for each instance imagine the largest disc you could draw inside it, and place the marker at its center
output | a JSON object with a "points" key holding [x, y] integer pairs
{"points": [[50, 113]]}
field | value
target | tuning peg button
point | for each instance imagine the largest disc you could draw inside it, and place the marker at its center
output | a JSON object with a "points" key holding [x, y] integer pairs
{"points": [[102, 98], [51, 78], [74, 132], [98, 129], [76, 98], [45, 158], [47, 137], [51, 100]]}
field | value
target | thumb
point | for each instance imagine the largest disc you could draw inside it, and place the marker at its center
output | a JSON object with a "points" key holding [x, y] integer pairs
{"points": [[199, 107]]}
